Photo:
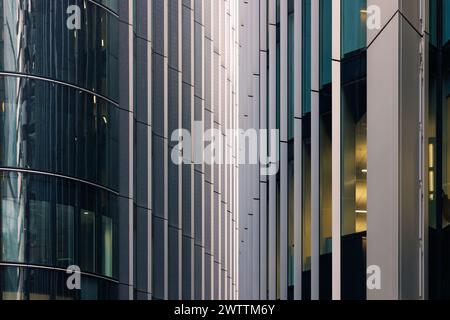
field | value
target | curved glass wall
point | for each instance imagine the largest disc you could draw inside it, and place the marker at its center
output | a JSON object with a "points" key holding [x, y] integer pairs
{"points": [[36, 40], [25, 283], [111, 4], [55, 222], [55, 128]]}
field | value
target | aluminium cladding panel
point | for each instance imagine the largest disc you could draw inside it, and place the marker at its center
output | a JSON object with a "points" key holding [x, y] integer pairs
{"points": [[410, 153], [394, 107], [336, 149], [160, 232], [263, 125], [283, 249], [298, 164], [143, 150], [188, 107], [315, 150], [175, 205], [383, 159], [199, 177], [272, 196], [126, 182]]}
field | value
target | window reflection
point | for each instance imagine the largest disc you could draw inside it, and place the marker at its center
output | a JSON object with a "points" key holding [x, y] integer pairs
{"points": [[27, 283], [325, 161], [87, 241], [306, 207], [65, 238], [36, 40], [353, 150], [111, 4], [54, 128], [36, 209], [39, 232]]}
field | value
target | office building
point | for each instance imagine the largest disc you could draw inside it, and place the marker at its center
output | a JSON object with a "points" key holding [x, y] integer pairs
{"points": [[91, 92], [358, 209]]}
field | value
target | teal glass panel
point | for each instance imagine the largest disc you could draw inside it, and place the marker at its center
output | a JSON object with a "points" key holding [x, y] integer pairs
{"points": [[446, 21], [291, 76], [325, 42], [354, 21], [306, 57]]}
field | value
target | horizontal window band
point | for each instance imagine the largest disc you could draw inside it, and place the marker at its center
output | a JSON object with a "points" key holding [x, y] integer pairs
{"points": [[104, 7], [32, 266], [60, 176], [73, 86]]}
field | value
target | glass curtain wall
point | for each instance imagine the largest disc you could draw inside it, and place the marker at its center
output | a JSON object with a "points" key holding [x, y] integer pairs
{"points": [[353, 149], [306, 149], [325, 280], [439, 150]]}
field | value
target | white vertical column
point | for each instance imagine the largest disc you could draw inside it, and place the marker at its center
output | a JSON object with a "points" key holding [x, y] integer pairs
{"points": [[283, 249], [315, 151], [263, 29], [336, 149], [272, 267], [298, 160]]}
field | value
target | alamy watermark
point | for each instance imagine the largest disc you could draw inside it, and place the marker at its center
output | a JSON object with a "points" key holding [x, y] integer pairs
{"points": [[74, 20], [373, 277], [74, 280], [208, 147]]}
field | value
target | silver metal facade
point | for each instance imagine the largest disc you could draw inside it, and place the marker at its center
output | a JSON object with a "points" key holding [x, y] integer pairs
{"points": [[185, 231]]}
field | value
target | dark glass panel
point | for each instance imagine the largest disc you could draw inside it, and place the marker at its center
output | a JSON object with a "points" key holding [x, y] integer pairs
{"points": [[57, 222], [354, 177], [54, 128], [354, 25], [37, 41], [27, 283]]}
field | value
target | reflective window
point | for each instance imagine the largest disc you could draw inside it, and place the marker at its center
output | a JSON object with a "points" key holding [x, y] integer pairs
{"points": [[354, 21], [37, 209], [446, 20], [22, 283], [306, 57], [111, 4], [58, 129], [291, 71], [306, 207], [36, 40], [65, 235], [325, 162], [325, 42], [438, 166], [353, 150], [354, 177]]}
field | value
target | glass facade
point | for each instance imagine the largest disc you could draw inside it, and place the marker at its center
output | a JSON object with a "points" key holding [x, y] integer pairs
{"points": [[325, 161], [439, 150], [36, 41], [59, 149], [306, 150], [353, 150], [20, 283], [56, 222], [55, 128], [113, 5]]}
